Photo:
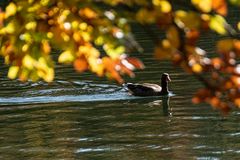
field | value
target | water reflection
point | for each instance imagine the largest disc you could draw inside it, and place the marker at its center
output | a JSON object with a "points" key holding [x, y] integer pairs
{"points": [[166, 107], [110, 124]]}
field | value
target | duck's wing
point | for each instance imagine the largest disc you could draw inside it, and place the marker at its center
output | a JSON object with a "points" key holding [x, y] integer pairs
{"points": [[155, 87]]}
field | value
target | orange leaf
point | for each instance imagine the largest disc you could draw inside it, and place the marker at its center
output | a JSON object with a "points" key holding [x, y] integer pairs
{"points": [[215, 102], [127, 71], [225, 108], [46, 47], [136, 62], [80, 64], [203, 93], [217, 63], [164, 19], [115, 75], [236, 80], [110, 65], [88, 13], [220, 6], [203, 5], [173, 36], [225, 45], [192, 36], [237, 102], [177, 58], [196, 100], [236, 45]]}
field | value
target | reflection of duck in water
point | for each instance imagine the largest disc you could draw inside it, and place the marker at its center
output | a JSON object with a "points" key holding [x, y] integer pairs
{"points": [[148, 89], [164, 103], [165, 106]]}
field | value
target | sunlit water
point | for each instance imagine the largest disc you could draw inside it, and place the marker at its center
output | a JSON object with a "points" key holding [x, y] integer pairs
{"points": [[80, 116]]}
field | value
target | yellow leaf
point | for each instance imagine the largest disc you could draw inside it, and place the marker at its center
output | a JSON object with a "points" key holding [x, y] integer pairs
{"points": [[44, 2], [203, 5], [100, 40], [146, 16], [190, 20], [75, 24], [164, 5], [28, 62], [33, 8], [49, 76], [50, 35], [96, 66], [31, 25], [65, 36], [238, 25], [217, 23], [83, 26], [66, 57], [11, 10], [44, 70], [26, 37], [164, 51], [24, 74], [13, 72], [86, 36], [10, 28], [25, 47]]}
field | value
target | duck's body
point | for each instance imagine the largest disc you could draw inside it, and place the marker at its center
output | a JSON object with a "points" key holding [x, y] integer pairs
{"points": [[148, 89]]}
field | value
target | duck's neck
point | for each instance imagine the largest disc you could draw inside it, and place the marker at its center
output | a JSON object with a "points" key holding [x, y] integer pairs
{"points": [[164, 85]]}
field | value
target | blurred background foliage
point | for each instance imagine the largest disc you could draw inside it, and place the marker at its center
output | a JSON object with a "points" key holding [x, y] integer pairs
{"points": [[95, 35]]}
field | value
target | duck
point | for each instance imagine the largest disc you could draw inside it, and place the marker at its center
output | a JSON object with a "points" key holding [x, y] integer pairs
{"points": [[149, 89]]}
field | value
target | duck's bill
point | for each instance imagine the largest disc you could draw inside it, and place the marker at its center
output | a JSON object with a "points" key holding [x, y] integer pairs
{"points": [[168, 79]]}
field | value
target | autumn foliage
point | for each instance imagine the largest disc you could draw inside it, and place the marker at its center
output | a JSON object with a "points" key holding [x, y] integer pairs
{"points": [[96, 36]]}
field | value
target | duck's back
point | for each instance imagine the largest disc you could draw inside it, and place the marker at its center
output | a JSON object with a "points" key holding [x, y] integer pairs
{"points": [[145, 89]]}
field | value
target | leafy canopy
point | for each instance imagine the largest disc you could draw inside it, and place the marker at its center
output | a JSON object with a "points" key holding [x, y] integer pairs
{"points": [[95, 35]]}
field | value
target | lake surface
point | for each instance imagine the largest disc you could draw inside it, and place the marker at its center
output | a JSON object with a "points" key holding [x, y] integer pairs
{"points": [[80, 116]]}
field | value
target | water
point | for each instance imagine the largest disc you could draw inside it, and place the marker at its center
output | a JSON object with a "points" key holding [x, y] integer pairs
{"points": [[80, 116]]}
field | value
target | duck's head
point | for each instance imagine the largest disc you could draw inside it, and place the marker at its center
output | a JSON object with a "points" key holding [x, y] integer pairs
{"points": [[165, 77]]}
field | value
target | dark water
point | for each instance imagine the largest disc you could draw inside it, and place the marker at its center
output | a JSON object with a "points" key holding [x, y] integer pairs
{"points": [[80, 116]]}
